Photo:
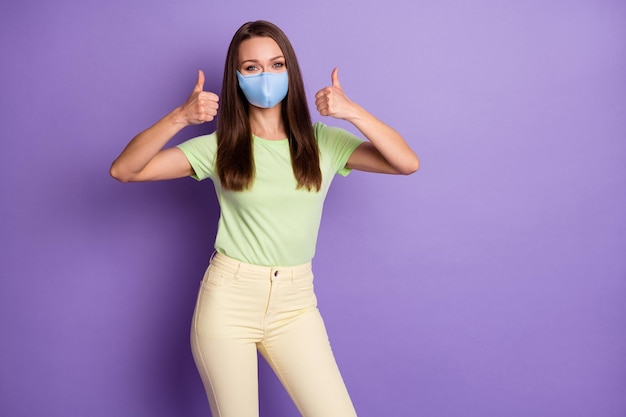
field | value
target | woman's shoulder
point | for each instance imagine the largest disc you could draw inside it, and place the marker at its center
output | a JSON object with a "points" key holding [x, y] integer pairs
{"points": [[204, 142], [330, 135], [319, 129], [208, 138], [201, 149], [324, 133]]}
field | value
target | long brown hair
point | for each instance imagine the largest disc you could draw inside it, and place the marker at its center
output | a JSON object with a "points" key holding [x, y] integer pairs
{"points": [[235, 159]]}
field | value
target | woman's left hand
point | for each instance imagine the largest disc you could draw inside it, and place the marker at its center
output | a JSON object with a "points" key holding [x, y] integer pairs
{"points": [[332, 101]]}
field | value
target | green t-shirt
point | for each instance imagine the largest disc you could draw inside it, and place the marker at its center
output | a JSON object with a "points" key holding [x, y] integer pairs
{"points": [[273, 223]]}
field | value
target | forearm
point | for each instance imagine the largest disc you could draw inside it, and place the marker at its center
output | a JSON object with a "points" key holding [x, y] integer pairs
{"points": [[143, 147], [387, 141]]}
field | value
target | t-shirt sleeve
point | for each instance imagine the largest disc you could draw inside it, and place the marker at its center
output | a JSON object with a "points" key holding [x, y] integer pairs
{"points": [[201, 152], [338, 144]]}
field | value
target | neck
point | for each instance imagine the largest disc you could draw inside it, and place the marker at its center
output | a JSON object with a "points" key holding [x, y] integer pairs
{"points": [[267, 123]]}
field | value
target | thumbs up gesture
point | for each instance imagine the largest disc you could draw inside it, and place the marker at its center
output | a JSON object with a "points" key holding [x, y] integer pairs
{"points": [[332, 101], [201, 106]]}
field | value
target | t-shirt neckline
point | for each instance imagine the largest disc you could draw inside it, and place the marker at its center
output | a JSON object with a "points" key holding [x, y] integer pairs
{"points": [[263, 140]]}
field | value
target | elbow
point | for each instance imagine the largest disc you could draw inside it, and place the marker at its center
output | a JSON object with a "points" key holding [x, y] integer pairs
{"points": [[115, 173], [410, 168]]}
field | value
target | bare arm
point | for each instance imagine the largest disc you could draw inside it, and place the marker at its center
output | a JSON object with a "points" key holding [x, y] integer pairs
{"points": [[144, 158], [386, 152]]}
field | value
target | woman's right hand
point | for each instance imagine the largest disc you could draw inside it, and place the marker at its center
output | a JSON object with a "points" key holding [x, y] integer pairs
{"points": [[201, 106]]}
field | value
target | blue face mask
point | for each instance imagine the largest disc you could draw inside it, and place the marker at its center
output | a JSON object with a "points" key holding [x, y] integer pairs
{"points": [[264, 90]]}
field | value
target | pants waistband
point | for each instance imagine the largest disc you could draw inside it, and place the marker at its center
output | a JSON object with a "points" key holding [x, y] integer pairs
{"points": [[237, 267]]}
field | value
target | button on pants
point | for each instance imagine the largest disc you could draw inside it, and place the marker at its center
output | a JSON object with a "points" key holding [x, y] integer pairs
{"points": [[242, 308]]}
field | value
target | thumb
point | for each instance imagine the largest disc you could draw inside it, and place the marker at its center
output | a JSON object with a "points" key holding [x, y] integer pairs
{"points": [[335, 77], [200, 83]]}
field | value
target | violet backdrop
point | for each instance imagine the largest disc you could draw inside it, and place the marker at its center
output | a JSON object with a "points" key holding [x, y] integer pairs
{"points": [[490, 283]]}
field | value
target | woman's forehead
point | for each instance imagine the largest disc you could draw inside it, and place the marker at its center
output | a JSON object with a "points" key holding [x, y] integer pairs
{"points": [[259, 48]]}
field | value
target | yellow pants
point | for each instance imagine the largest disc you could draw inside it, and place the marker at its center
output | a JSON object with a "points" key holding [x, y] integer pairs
{"points": [[242, 308]]}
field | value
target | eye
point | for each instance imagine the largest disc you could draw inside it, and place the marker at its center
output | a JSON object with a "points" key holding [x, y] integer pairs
{"points": [[251, 68], [278, 65]]}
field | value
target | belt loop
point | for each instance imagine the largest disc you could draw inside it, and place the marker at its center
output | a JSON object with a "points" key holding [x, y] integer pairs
{"points": [[292, 276], [212, 256]]}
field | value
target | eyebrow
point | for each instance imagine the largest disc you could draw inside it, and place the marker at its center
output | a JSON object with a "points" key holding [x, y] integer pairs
{"points": [[257, 61]]}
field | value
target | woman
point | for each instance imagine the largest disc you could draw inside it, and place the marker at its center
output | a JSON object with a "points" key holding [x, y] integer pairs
{"points": [[271, 169]]}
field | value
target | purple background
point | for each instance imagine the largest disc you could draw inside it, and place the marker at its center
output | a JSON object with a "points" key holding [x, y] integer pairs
{"points": [[491, 283]]}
